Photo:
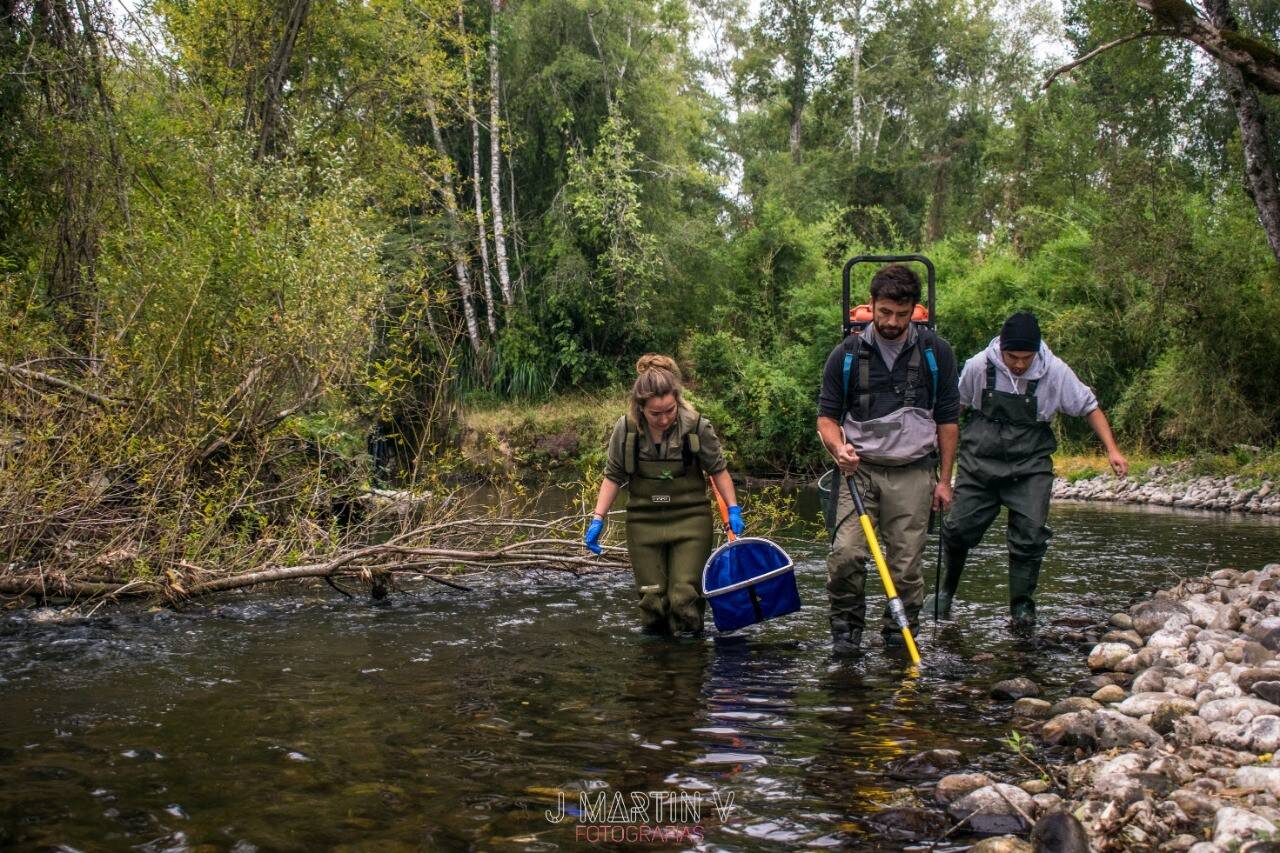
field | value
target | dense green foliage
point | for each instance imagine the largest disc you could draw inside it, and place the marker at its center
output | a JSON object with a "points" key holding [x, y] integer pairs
{"points": [[257, 225]]}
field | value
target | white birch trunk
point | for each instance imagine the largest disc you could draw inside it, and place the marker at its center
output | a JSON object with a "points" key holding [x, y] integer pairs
{"points": [[495, 159]]}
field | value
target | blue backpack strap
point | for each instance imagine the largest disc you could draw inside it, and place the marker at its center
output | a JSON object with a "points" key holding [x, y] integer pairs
{"points": [[932, 361], [851, 357]]}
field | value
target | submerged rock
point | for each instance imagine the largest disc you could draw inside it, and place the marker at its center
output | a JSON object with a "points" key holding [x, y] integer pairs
{"points": [[1015, 688], [908, 823], [925, 765]]}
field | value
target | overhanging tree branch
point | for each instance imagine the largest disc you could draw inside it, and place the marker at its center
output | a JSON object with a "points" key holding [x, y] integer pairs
{"points": [[1258, 62], [1071, 66]]}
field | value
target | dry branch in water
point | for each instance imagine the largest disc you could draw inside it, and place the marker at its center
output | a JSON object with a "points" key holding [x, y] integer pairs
{"points": [[428, 551]]}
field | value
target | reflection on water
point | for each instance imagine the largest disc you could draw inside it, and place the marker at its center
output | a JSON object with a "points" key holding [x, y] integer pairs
{"points": [[454, 720]]}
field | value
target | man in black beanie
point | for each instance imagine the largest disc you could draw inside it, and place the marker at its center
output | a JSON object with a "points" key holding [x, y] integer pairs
{"points": [[1012, 391]]}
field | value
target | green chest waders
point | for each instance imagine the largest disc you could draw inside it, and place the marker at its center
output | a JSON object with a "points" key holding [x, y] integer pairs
{"points": [[1005, 458], [668, 537], [1004, 438]]}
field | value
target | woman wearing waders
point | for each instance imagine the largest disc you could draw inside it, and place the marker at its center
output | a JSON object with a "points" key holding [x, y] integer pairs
{"points": [[1012, 391], [662, 451]]}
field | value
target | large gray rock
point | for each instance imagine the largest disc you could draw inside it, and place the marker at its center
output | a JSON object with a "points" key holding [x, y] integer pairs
{"points": [[1072, 729], [1141, 704], [1015, 688], [1253, 675], [1112, 729], [1151, 616], [1268, 691], [1105, 656], [1152, 680], [1263, 778], [953, 787], [1259, 735], [1235, 826], [1237, 709], [995, 809]]}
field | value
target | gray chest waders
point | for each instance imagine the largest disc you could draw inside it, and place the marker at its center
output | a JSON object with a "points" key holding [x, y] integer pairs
{"points": [[669, 536]]}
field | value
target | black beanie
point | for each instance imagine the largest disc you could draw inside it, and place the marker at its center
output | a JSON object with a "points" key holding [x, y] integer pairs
{"points": [[1020, 333]]}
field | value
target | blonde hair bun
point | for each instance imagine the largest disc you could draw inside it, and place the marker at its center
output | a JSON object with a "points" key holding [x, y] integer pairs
{"points": [[656, 361]]}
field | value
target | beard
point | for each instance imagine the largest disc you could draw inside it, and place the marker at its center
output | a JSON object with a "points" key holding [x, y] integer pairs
{"points": [[888, 332]]}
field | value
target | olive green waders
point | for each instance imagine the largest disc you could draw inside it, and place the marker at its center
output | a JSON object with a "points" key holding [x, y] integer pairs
{"points": [[897, 500], [669, 540], [1005, 459]]}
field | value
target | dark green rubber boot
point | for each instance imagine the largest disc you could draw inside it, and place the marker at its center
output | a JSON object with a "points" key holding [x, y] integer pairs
{"points": [[1023, 577], [846, 641], [954, 559]]}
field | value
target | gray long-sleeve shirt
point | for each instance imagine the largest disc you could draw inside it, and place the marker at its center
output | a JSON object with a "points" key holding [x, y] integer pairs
{"points": [[1059, 389]]}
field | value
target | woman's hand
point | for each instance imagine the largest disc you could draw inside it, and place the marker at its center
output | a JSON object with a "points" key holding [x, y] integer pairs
{"points": [[735, 520], [592, 539]]}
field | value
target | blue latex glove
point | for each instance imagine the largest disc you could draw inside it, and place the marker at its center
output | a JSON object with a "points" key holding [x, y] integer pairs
{"points": [[735, 520], [592, 539]]}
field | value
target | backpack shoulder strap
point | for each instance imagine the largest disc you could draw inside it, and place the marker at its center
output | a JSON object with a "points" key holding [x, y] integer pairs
{"points": [[852, 350], [931, 359], [631, 447]]}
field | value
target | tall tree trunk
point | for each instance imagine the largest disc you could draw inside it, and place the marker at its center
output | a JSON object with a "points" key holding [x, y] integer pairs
{"points": [[450, 199], [799, 27], [495, 158], [935, 227], [1259, 160], [267, 110], [855, 87], [477, 192]]}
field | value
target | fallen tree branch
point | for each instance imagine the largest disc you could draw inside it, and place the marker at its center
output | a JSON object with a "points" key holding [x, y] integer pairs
{"points": [[22, 374]]}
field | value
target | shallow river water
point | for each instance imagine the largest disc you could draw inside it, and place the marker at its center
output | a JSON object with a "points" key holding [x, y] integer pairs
{"points": [[452, 720]]}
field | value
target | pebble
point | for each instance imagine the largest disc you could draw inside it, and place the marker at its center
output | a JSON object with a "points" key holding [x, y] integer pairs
{"points": [[957, 785], [1037, 709]]}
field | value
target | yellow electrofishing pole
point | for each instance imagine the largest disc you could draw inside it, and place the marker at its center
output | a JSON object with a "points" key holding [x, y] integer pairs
{"points": [[895, 603]]}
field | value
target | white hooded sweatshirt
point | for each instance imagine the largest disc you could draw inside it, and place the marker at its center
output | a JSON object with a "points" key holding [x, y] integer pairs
{"points": [[1059, 390]]}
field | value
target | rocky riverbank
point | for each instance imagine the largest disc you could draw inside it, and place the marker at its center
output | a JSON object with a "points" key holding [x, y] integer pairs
{"points": [[1176, 731], [1171, 743], [1159, 486]]}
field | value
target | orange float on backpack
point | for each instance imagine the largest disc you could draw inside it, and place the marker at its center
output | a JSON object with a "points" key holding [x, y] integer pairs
{"points": [[860, 315]]}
